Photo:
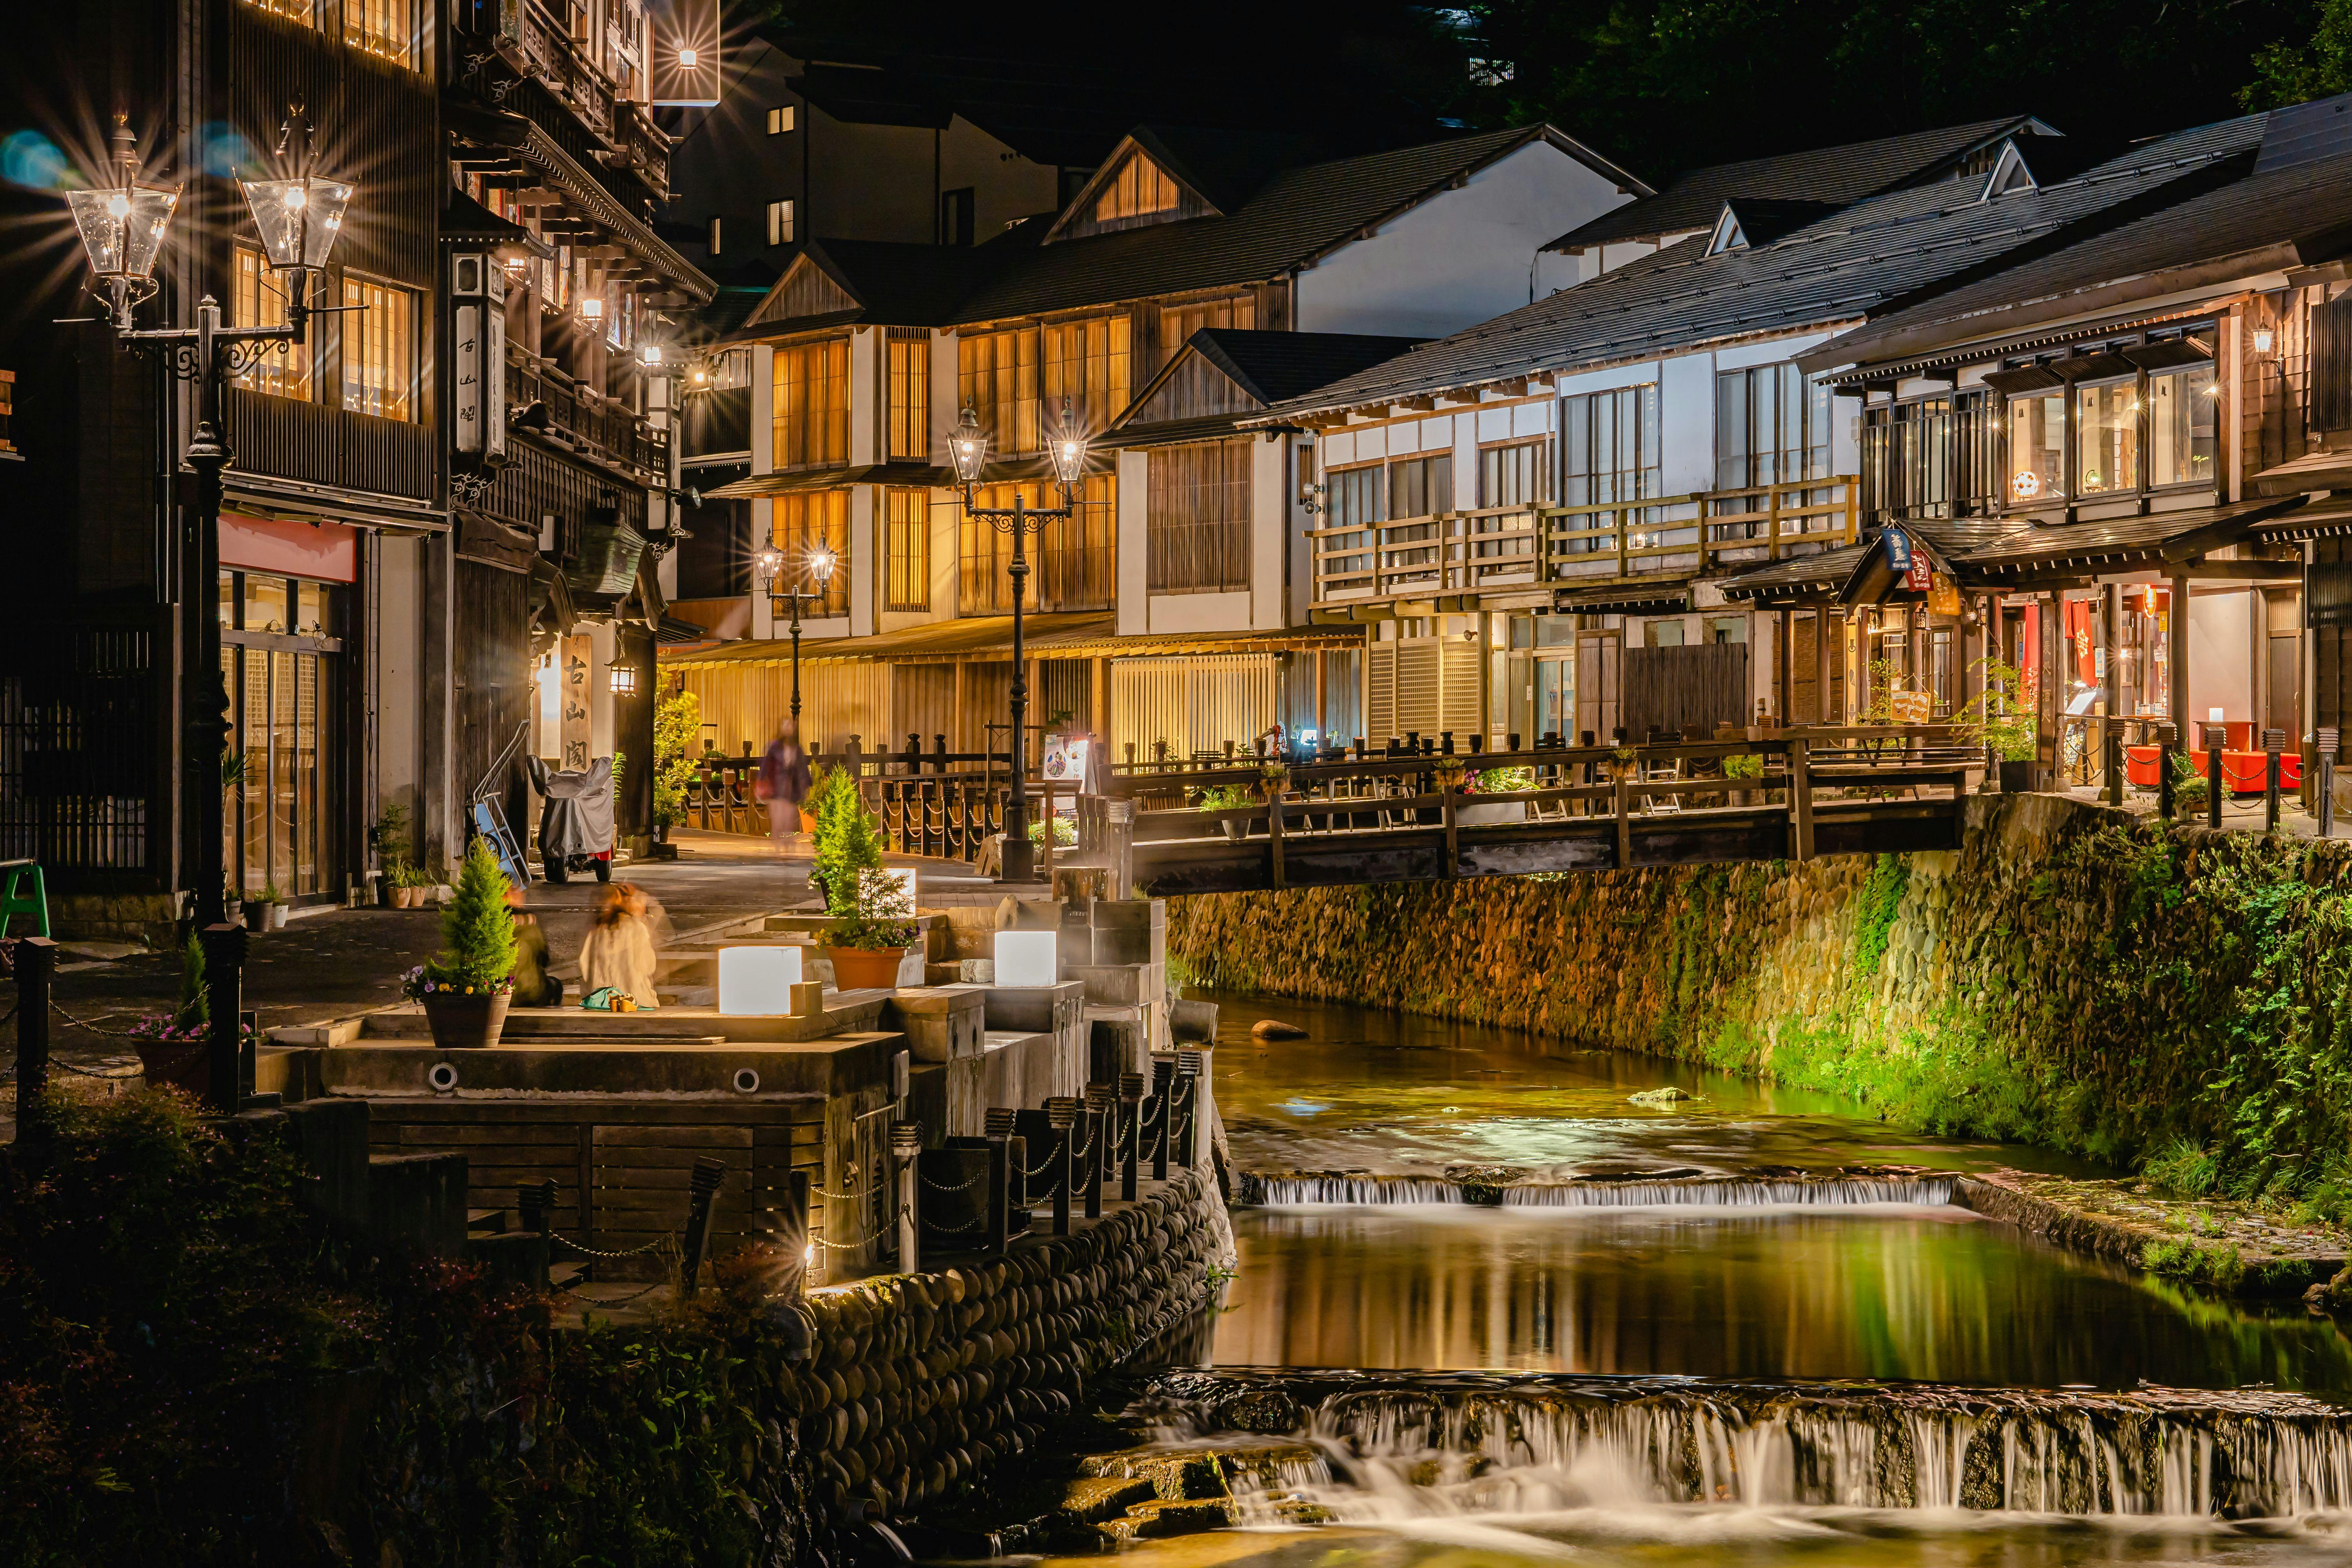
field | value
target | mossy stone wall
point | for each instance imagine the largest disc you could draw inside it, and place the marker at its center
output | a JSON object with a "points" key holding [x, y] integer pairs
{"points": [[2071, 975]]}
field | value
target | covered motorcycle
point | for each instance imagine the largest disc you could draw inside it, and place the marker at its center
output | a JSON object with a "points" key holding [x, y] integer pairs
{"points": [[575, 824]]}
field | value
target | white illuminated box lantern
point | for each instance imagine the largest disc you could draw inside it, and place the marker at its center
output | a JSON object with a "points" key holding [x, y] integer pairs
{"points": [[758, 979], [1028, 958]]}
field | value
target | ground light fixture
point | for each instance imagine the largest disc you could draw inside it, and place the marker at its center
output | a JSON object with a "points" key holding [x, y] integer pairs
{"points": [[758, 980], [1028, 958]]}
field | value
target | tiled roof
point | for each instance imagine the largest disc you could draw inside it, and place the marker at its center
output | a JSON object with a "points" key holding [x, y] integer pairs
{"points": [[1289, 220], [2306, 206], [1274, 365], [1832, 272], [1840, 175], [2043, 546]]}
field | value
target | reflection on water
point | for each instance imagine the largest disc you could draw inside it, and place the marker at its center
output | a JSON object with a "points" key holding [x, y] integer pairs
{"points": [[1764, 1537], [1884, 1293], [1386, 1092]]}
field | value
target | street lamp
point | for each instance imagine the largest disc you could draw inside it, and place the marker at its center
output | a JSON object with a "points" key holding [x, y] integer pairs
{"points": [[968, 451], [122, 228], [770, 563]]}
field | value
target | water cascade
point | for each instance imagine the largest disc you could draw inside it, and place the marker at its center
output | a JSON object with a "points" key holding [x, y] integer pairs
{"points": [[1506, 1189], [1373, 1449]]}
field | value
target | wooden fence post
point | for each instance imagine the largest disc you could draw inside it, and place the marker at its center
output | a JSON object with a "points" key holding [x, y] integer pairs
{"points": [[1273, 834], [1624, 819], [1446, 798], [1801, 798], [36, 964], [907, 1143]]}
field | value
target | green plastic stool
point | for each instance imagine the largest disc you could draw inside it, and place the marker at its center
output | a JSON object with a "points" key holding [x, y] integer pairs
{"points": [[14, 900]]}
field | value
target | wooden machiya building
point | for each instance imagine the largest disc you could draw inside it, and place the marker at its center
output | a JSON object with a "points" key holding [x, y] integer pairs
{"points": [[2126, 464], [1168, 610], [379, 594]]}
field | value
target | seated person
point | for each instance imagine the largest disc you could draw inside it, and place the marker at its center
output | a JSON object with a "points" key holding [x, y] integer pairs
{"points": [[533, 986]]}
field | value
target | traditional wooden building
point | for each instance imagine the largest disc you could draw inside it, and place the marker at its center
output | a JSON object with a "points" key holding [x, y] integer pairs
{"points": [[375, 601], [1534, 521], [2128, 460], [853, 371]]}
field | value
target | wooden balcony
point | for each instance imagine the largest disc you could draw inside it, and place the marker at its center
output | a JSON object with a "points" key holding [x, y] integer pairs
{"points": [[590, 425], [1458, 556], [293, 439], [537, 39]]}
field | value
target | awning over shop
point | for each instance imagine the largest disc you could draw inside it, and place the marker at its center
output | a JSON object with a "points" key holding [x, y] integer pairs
{"points": [[1671, 596], [983, 639], [795, 481], [2118, 544], [290, 500]]}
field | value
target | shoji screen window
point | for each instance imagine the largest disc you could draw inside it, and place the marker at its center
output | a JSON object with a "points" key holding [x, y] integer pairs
{"points": [[910, 394], [259, 300], [379, 348], [812, 404], [802, 523]]}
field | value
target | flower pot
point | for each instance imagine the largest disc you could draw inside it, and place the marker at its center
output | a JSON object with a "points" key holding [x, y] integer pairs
{"points": [[183, 1063], [864, 968], [2016, 777], [808, 825], [1234, 830], [273, 916], [460, 1022]]}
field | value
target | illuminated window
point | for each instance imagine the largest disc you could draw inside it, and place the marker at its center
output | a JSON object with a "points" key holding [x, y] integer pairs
{"points": [[384, 28], [1086, 363], [779, 223], [1197, 518], [812, 404], [260, 301], [907, 523], [1070, 563], [802, 523], [910, 392], [304, 11], [780, 119], [997, 378], [1139, 188], [2106, 422], [1179, 323], [2182, 426], [2037, 449], [379, 348]]}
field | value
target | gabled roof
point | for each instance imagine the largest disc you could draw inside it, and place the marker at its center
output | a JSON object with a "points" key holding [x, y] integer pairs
{"points": [[1828, 274], [1245, 369], [1837, 176], [1761, 220], [2279, 212], [1294, 217], [875, 282]]}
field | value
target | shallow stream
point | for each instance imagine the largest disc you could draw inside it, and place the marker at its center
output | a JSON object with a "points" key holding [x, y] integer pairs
{"points": [[1719, 1330]]}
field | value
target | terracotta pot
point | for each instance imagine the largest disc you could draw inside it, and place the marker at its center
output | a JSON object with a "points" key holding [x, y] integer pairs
{"points": [[460, 1022], [864, 968], [184, 1067], [808, 825]]}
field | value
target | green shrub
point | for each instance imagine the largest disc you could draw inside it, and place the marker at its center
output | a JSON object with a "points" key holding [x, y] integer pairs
{"points": [[2179, 1166]]}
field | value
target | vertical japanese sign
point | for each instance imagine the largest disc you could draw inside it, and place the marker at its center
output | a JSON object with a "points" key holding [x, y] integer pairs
{"points": [[578, 663], [478, 356]]}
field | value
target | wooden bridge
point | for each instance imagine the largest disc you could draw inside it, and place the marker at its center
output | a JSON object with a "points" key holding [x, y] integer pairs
{"points": [[1207, 825], [1796, 795]]}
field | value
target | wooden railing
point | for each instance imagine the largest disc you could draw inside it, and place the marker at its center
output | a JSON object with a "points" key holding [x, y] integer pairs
{"points": [[1372, 818], [595, 427], [294, 440], [1460, 553], [938, 802]]}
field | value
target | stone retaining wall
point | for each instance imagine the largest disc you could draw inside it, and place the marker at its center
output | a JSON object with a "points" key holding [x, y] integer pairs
{"points": [[2070, 975], [916, 1383]]}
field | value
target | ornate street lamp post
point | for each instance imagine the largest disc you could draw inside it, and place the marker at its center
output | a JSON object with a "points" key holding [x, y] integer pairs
{"points": [[968, 449], [122, 228], [770, 565]]}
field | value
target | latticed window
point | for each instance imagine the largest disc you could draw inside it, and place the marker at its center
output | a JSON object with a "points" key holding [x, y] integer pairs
{"points": [[997, 379], [1139, 188], [1511, 476], [1771, 426], [907, 525], [1179, 323], [909, 374], [1070, 564], [1610, 450], [1197, 518], [379, 348], [260, 301], [384, 28], [1087, 366], [803, 522], [812, 404]]}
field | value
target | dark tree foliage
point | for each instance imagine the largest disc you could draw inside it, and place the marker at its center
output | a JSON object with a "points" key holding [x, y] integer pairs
{"points": [[2317, 67]]}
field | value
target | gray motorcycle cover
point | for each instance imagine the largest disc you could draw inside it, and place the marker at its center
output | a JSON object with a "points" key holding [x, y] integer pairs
{"points": [[578, 816]]}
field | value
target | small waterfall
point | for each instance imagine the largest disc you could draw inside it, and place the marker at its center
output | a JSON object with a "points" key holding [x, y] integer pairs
{"points": [[1436, 1444], [1273, 1191], [1737, 1192], [1276, 1189]]}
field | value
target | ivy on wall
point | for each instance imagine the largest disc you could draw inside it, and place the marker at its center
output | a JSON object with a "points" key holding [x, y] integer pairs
{"points": [[2071, 976]]}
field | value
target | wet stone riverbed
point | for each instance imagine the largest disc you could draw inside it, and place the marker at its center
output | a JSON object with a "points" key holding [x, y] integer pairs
{"points": [[1492, 1310]]}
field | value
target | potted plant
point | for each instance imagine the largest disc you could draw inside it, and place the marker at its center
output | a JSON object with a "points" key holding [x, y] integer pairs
{"points": [[872, 923], [677, 722], [1065, 832], [466, 990], [389, 837], [2191, 790], [1997, 719], [175, 1048], [1743, 765], [265, 911], [1450, 774], [1227, 797], [1273, 780]]}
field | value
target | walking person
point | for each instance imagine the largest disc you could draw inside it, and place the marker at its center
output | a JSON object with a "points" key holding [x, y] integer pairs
{"points": [[785, 783]]}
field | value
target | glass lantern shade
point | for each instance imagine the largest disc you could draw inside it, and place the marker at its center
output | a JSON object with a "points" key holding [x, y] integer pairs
{"points": [[769, 563], [621, 678], [122, 226], [297, 219], [821, 565], [1069, 452], [968, 449]]}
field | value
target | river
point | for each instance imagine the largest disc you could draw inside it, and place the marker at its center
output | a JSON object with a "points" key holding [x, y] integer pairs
{"points": [[1492, 1310]]}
